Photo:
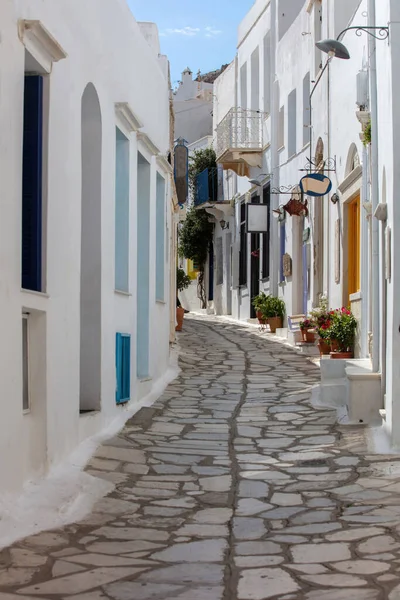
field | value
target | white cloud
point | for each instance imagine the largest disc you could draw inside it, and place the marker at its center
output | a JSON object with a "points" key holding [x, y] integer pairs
{"points": [[188, 31], [212, 32]]}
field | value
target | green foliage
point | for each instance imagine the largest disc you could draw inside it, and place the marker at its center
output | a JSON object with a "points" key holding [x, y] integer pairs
{"points": [[182, 280], [200, 160], [367, 133], [343, 328], [269, 306], [195, 236], [259, 300]]}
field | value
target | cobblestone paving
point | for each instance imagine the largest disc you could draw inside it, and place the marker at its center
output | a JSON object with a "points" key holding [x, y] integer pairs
{"points": [[232, 487]]}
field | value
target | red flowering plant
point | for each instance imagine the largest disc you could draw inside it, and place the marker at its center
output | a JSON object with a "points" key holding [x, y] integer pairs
{"points": [[322, 318], [343, 328], [307, 324]]}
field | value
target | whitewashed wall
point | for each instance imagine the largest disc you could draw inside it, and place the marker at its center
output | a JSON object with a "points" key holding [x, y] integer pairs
{"points": [[104, 46]]}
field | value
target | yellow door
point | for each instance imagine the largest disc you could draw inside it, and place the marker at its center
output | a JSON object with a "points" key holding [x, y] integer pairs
{"points": [[353, 232]]}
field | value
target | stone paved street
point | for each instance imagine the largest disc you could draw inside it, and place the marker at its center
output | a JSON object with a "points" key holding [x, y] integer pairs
{"points": [[231, 487]]}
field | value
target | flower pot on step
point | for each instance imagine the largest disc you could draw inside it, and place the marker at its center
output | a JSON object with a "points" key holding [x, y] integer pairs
{"points": [[260, 318], [180, 312], [342, 355], [274, 323], [334, 346], [324, 347], [309, 336]]}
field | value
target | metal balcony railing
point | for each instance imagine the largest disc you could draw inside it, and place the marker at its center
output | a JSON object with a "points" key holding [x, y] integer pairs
{"points": [[241, 129], [207, 187]]}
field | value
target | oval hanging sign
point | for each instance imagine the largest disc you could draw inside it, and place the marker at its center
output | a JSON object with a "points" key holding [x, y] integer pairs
{"points": [[315, 184]]}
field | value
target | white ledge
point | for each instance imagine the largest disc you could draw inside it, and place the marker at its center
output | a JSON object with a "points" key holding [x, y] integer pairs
{"points": [[40, 43], [164, 164], [146, 141], [350, 179], [127, 116]]}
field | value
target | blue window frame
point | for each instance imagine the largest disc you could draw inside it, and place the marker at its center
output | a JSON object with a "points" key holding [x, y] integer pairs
{"points": [[31, 243], [123, 368]]}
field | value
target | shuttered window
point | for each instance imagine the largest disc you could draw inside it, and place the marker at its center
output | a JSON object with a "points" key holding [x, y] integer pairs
{"points": [[123, 367], [31, 250]]}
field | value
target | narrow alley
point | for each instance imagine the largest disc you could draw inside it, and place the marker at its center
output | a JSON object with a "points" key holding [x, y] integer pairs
{"points": [[231, 487]]}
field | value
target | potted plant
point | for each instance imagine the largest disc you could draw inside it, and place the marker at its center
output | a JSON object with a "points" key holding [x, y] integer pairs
{"points": [[322, 318], [273, 310], [342, 333], [258, 302], [307, 328], [183, 281]]}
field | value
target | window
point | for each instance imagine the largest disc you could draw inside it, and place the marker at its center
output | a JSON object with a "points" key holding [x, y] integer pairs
{"points": [[281, 128], [282, 241], [243, 86], [32, 168], [255, 80], [317, 34], [243, 246], [292, 125], [122, 213], [267, 73], [353, 233], [219, 261], [266, 236], [306, 109], [123, 367], [160, 238], [25, 364]]}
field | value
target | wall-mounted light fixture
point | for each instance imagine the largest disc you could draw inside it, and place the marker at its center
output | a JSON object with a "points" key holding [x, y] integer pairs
{"points": [[335, 199], [278, 213], [224, 224]]}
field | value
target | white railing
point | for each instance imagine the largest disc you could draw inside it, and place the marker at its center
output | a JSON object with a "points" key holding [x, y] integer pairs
{"points": [[240, 129]]}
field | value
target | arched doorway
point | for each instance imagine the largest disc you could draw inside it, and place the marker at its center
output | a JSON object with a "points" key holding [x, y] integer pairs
{"points": [[90, 294]]}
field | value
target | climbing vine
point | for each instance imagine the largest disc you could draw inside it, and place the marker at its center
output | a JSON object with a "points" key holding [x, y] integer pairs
{"points": [[200, 160], [195, 237]]}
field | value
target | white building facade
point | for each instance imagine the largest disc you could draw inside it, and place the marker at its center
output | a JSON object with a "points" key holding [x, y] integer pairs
{"points": [[88, 229], [284, 108]]}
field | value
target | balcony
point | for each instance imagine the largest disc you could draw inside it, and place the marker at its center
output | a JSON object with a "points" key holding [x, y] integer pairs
{"points": [[240, 140], [206, 187]]}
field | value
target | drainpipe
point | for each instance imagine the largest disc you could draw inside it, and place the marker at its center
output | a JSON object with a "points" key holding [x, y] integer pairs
{"points": [[374, 190]]}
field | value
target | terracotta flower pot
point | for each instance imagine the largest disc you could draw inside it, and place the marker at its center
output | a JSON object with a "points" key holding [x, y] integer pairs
{"points": [[310, 336], [180, 312], [342, 355], [274, 323], [324, 347], [334, 346], [260, 318]]}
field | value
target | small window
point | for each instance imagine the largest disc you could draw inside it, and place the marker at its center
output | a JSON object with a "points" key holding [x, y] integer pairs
{"points": [[281, 128], [306, 109], [243, 246], [123, 368], [25, 364], [292, 125]]}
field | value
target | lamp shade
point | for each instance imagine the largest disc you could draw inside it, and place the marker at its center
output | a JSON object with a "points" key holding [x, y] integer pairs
{"points": [[333, 48]]}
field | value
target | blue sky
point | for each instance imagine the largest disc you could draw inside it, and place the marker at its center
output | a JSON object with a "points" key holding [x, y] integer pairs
{"points": [[200, 34]]}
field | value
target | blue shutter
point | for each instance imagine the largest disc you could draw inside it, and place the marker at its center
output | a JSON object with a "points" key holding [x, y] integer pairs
{"points": [[123, 367], [282, 250], [118, 367], [32, 185]]}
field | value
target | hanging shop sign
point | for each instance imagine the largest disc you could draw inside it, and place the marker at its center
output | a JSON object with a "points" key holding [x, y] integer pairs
{"points": [[257, 218], [315, 185], [181, 170]]}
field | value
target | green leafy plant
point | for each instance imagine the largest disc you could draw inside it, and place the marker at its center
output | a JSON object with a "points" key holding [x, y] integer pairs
{"points": [[183, 281], [343, 328], [195, 237], [367, 133], [307, 324], [198, 161], [273, 307], [259, 300]]}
